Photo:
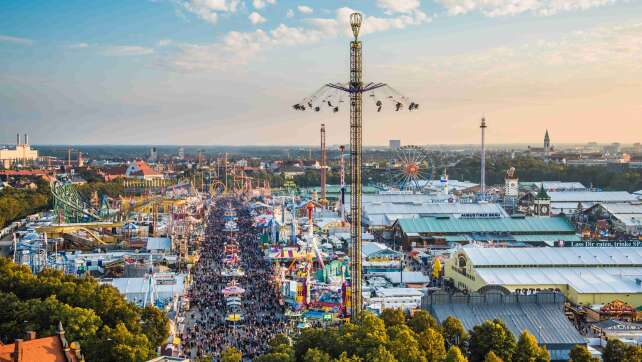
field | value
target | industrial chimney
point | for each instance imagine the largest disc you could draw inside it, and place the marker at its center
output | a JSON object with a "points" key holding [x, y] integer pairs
{"points": [[17, 139], [26, 139]]}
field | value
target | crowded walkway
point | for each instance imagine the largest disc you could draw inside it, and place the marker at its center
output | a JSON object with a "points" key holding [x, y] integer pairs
{"points": [[261, 316]]}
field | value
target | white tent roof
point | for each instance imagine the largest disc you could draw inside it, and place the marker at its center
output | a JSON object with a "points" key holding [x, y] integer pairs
{"points": [[550, 257], [583, 280]]}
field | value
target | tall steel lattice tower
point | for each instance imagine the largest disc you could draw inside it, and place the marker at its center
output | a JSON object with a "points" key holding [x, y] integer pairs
{"points": [[356, 100], [331, 95], [482, 189], [342, 178], [324, 168]]}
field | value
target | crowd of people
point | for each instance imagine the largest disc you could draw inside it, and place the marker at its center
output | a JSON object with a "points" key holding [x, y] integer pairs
{"points": [[210, 332]]}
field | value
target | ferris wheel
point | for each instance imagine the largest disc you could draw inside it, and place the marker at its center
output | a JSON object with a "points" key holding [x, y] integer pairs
{"points": [[414, 167]]}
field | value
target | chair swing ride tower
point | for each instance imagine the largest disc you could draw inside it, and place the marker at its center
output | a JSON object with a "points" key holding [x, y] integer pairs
{"points": [[331, 95]]}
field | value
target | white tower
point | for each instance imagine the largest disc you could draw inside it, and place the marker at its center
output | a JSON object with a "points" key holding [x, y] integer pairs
{"points": [[482, 189], [511, 183]]}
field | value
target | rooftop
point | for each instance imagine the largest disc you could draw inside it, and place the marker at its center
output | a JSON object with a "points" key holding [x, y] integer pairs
{"points": [[398, 292], [388, 213], [546, 322], [614, 280], [551, 257], [47, 349], [554, 185], [525, 225], [592, 196]]}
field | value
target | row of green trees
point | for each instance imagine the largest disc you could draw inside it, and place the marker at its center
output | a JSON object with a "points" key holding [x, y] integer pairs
{"points": [[108, 327], [15, 204], [467, 169], [112, 189], [535, 169], [395, 337]]}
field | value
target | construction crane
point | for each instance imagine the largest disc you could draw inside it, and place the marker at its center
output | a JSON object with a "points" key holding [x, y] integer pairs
{"points": [[331, 95]]}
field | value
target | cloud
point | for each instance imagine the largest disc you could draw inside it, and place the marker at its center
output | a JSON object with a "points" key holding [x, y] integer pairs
{"points": [[256, 18], [371, 24], [494, 8], [289, 14], [239, 48], [77, 46], [127, 50], [305, 9], [398, 6], [260, 4], [15, 40], [165, 42], [209, 10], [609, 52]]}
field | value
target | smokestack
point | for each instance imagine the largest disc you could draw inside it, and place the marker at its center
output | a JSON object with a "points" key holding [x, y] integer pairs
{"points": [[483, 158], [17, 139], [26, 139]]}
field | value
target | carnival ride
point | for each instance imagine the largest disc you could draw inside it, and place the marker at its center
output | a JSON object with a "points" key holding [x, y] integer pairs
{"points": [[88, 224], [414, 167], [331, 96]]}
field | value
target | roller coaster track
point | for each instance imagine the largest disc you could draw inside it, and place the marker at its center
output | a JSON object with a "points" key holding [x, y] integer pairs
{"points": [[68, 202]]}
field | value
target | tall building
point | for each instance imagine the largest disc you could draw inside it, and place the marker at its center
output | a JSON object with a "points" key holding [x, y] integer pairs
{"points": [[181, 153], [153, 154], [22, 154], [547, 146], [394, 144]]}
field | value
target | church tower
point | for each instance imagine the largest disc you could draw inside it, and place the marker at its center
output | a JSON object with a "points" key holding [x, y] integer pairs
{"points": [[542, 203], [547, 146]]}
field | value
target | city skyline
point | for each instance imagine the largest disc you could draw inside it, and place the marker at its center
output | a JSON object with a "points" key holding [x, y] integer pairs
{"points": [[227, 72]]}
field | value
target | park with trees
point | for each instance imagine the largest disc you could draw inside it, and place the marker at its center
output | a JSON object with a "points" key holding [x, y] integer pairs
{"points": [[397, 337], [108, 327]]}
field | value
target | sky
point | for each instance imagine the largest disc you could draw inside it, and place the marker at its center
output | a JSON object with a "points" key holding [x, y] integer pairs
{"points": [[227, 72]]}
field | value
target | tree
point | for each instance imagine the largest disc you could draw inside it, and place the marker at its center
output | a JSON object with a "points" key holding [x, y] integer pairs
{"points": [[404, 345], [492, 357], [491, 336], [324, 340], [278, 340], [381, 354], [454, 332], [432, 343], [119, 344], [369, 334], [344, 358], [580, 353], [275, 357], [108, 327], [421, 321], [231, 354], [529, 351], [316, 355], [393, 317], [455, 355], [155, 325], [633, 354], [615, 351]]}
